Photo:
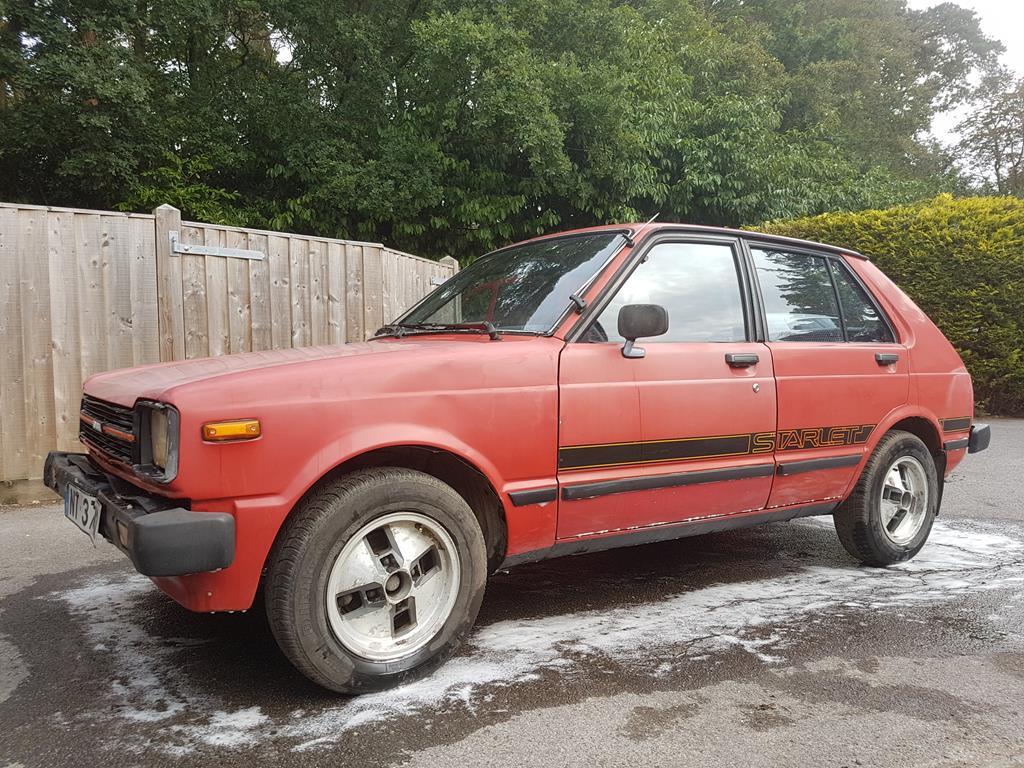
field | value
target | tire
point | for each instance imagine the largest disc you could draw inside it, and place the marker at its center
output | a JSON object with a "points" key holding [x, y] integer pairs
{"points": [[881, 531], [346, 539]]}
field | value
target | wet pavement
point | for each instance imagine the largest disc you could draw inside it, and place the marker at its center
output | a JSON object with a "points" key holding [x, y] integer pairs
{"points": [[767, 646]]}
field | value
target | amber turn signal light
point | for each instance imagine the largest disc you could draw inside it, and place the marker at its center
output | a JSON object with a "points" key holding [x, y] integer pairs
{"points": [[238, 429]]}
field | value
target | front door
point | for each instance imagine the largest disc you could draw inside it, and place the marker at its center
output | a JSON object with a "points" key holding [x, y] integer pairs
{"points": [[839, 370], [686, 431]]}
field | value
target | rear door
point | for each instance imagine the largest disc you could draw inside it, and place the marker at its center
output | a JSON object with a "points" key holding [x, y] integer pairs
{"points": [[684, 432], [839, 369]]}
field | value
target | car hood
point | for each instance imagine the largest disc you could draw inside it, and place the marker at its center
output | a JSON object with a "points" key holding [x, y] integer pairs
{"points": [[156, 381]]}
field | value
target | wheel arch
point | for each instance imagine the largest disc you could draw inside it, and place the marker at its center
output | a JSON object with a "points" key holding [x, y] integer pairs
{"points": [[914, 420], [451, 468], [918, 423]]}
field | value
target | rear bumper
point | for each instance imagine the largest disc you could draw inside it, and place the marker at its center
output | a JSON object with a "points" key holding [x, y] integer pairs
{"points": [[980, 437], [977, 440], [160, 539]]}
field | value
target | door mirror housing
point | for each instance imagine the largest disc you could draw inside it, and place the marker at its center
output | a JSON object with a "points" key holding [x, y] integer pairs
{"points": [[641, 321]]}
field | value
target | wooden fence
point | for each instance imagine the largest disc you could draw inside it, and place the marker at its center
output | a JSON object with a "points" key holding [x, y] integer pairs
{"points": [[87, 291]]}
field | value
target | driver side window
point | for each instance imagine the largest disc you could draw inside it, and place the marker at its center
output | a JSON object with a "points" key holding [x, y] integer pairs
{"points": [[697, 283]]}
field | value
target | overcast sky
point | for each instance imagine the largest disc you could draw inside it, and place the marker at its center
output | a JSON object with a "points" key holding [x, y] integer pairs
{"points": [[1000, 19]]}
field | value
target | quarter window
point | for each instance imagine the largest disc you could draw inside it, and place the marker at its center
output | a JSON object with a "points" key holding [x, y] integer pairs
{"points": [[799, 299], [861, 317], [697, 283]]}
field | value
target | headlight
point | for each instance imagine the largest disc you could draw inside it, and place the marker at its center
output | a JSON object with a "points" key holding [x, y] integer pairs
{"points": [[159, 425], [158, 441]]}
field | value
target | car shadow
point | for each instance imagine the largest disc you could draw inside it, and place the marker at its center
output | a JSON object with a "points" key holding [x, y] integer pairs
{"points": [[128, 651], [233, 646]]}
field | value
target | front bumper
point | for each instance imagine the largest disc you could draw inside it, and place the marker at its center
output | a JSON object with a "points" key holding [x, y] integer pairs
{"points": [[161, 539]]}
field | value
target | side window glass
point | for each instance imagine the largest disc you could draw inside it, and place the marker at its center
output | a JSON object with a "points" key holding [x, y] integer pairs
{"points": [[799, 300], [697, 283], [863, 322]]}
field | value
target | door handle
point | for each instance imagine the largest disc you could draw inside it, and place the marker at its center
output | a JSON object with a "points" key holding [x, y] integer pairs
{"points": [[741, 360], [886, 358]]}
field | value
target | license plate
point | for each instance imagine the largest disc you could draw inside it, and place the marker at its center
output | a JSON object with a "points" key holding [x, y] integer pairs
{"points": [[83, 510]]}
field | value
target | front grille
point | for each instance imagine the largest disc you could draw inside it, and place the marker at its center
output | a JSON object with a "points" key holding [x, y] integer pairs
{"points": [[110, 415]]}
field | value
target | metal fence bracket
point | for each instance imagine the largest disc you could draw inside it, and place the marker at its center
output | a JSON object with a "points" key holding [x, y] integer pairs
{"points": [[179, 248]]}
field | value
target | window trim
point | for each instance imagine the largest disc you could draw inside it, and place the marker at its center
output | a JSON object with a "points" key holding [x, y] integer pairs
{"points": [[839, 300], [754, 243], [639, 256]]}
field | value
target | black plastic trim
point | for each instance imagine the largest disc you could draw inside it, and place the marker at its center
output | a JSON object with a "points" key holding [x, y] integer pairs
{"points": [[667, 532], [956, 425], [980, 438], [533, 496], [741, 359], [653, 482], [815, 465], [760, 327], [159, 536], [956, 445], [830, 268]]}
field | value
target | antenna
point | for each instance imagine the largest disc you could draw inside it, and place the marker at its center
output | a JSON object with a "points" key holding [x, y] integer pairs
{"points": [[652, 218]]}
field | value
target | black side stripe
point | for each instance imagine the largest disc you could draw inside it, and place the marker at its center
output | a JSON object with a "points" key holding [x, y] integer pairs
{"points": [[651, 482], [533, 496], [955, 445], [813, 465], [956, 425], [709, 447], [581, 456]]}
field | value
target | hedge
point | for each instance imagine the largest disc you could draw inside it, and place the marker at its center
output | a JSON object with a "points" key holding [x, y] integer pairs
{"points": [[962, 261]]}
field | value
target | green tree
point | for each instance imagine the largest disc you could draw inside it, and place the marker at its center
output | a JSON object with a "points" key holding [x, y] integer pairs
{"points": [[453, 126], [869, 75], [993, 134]]}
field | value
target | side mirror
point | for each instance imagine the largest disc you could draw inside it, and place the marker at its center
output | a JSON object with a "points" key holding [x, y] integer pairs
{"points": [[640, 321]]}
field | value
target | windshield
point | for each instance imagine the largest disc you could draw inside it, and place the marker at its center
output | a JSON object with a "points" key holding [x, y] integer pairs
{"points": [[522, 288]]}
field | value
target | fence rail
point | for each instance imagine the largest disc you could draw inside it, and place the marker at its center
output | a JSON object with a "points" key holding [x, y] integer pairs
{"points": [[88, 291]]}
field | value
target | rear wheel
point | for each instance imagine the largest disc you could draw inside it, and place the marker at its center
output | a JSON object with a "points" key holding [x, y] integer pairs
{"points": [[376, 579], [889, 515]]}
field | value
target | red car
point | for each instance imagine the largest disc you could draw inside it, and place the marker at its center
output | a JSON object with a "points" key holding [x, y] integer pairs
{"points": [[600, 388]]}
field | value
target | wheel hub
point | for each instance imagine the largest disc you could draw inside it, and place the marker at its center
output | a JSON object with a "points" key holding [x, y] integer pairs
{"points": [[904, 500], [393, 586], [398, 586]]}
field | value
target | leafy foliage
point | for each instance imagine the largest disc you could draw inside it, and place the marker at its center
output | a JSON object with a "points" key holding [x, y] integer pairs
{"points": [[454, 126], [993, 134], [962, 261]]}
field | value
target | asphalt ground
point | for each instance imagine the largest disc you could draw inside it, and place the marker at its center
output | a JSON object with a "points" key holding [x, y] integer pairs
{"points": [[761, 647]]}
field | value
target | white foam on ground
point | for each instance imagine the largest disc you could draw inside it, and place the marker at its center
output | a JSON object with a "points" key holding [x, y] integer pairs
{"points": [[759, 616]]}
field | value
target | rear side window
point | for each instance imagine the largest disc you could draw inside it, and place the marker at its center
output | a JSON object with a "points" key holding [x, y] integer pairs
{"points": [[799, 300], [861, 316]]}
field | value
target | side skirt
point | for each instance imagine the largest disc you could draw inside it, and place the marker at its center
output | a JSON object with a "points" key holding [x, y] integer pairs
{"points": [[654, 533]]}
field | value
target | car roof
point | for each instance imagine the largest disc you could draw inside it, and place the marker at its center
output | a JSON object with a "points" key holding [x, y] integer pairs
{"points": [[640, 231]]}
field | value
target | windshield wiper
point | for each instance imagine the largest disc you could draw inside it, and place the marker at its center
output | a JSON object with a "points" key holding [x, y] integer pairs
{"points": [[398, 330]]}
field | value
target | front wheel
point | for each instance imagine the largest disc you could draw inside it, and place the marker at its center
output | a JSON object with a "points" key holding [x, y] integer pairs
{"points": [[376, 579], [889, 515]]}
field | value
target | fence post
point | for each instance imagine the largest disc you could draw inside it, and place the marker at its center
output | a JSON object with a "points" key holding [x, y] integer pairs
{"points": [[448, 261], [456, 310], [170, 317]]}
